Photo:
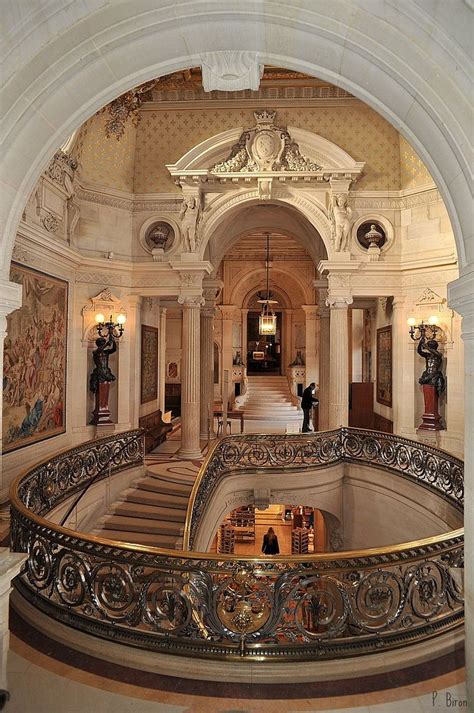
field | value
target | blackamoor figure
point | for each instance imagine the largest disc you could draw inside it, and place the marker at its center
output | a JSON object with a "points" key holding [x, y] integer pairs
{"points": [[432, 374], [270, 543], [307, 403], [102, 373]]}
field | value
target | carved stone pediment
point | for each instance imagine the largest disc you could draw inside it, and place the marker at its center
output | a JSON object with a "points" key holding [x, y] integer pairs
{"points": [[265, 147]]}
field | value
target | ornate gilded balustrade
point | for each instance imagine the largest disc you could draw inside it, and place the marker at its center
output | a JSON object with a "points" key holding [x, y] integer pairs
{"points": [[299, 608], [428, 466]]}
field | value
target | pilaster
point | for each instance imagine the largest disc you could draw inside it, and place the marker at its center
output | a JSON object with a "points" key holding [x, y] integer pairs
{"points": [[324, 362], [461, 299], [208, 311], [311, 329]]}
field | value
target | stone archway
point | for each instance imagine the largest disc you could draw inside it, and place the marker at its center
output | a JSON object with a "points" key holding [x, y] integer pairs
{"points": [[65, 62]]}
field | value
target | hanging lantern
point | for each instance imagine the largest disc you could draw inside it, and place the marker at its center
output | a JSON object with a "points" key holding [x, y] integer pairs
{"points": [[267, 321]]}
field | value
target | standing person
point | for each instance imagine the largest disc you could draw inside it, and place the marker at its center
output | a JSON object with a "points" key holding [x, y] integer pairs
{"points": [[270, 543], [307, 403]]}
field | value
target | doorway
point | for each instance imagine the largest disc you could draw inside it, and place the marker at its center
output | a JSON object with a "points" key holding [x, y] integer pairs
{"points": [[263, 351]]}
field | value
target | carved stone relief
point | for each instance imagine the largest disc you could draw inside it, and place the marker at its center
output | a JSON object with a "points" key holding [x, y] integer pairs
{"points": [[265, 147]]}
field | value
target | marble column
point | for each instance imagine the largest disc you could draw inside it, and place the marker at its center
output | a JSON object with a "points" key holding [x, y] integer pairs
{"points": [[207, 372], [190, 377], [162, 362], [324, 367], [227, 315], [461, 299], [312, 366], [339, 361]]}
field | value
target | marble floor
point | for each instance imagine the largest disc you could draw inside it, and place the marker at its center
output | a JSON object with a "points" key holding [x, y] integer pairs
{"points": [[39, 682], [46, 677]]}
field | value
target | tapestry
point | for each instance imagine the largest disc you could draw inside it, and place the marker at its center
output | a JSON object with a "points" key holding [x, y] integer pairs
{"points": [[34, 361], [384, 365], [149, 364]]}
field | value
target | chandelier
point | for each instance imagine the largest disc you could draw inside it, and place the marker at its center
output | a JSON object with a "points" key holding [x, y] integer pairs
{"points": [[267, 321]]}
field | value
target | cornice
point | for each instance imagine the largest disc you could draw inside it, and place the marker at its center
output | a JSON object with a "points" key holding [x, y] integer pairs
{"points": [[33, 239], [250, 103], [171, 202]]}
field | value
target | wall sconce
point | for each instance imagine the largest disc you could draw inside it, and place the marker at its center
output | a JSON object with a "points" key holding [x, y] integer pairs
{"points": [[432, 379], [112, 329], [102, 377], [423, 330]]}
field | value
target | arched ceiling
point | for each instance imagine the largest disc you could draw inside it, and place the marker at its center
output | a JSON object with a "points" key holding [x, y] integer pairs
{"points": [[259, 218]]}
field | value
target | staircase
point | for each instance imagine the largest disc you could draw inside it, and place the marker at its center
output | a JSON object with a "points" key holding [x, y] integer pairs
{"points": [[268, 398], [153, 511]]}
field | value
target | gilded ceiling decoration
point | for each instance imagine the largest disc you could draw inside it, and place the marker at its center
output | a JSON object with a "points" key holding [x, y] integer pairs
{"points": [[170, 87]]}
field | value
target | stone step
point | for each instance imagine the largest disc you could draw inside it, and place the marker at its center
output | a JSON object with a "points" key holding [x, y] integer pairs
{"points": [[169, 486], [157, 486], [140, 538], [136, 524], [150, 512], [155, 499]]}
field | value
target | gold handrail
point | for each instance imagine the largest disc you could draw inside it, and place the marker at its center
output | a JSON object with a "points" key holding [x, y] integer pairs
{"points": [[194, 555]]}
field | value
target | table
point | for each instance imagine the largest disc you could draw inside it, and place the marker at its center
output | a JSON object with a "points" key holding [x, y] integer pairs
{"points": [[231, 413]]}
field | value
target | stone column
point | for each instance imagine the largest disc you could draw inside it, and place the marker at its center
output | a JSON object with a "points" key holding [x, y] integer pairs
{"points": [[128, 376], [227, 315], [243, 346], [324, 366], [162, 362], [287, 344], [10, 300], [190, 377], [207, 371], [461, 299], [339, 361], [311, 328]]}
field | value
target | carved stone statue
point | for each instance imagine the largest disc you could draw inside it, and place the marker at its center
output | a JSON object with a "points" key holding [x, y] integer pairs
{"points": [[190, 216], [102, 373], [298, 360], [340, 215], [432, 374]]}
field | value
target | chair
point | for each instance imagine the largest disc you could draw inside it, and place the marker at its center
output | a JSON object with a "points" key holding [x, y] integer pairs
{"points": [[220, 425]]}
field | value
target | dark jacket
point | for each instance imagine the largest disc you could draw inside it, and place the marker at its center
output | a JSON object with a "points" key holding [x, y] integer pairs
{"points": [[308, 400], [270, 547]]}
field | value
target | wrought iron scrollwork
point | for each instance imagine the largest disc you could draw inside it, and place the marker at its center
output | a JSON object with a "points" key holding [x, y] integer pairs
{"points": [[199, 604]]}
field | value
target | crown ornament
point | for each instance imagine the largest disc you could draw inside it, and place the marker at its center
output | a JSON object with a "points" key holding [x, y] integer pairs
{"points": [[266, 116]]}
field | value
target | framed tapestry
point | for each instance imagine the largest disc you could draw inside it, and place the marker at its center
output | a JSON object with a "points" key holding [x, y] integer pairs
{"points": [[384, 365], [34, 361], [149, 364]]}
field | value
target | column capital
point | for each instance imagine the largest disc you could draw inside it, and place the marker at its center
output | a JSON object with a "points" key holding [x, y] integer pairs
{"points": [[227, 311], [191, 301], [211, 289], [335, 301], [398, 302], [311, 311], [163, 310], [208, 312], [134, 301]]}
